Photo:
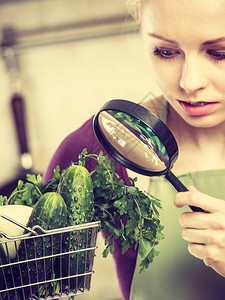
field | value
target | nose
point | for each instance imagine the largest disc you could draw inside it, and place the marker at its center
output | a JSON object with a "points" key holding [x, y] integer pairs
{"points": [[193, 75]]}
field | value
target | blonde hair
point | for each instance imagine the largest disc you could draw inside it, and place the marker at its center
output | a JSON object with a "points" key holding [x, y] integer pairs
{"points": [[136, 8]]}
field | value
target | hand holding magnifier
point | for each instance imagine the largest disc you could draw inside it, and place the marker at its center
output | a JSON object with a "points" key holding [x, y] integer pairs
{"points": [[138, 140]]}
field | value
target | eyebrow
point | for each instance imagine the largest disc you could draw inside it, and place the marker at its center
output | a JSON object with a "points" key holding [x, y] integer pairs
{"points": [[157, 36], [210, 42], [222, 39]]}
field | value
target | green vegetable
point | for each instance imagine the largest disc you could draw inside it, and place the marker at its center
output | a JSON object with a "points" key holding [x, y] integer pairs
{"points": [[28, 193], [129, 215], [115, 202], [3, 200], [50, 212], [76, 189]]}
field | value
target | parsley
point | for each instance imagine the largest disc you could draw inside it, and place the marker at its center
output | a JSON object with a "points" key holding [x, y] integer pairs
{"points": [[28, 193], [130, 215], [3, 200]]}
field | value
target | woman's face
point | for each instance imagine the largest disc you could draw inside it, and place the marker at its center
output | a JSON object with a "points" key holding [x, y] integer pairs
{"points": [[185, 45]]}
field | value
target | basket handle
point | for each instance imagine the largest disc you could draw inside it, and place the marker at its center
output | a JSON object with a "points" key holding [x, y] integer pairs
{"points": [[17, 223]]}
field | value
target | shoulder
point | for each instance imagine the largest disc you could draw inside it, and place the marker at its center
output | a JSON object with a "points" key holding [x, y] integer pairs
{"points": [[84, 134], [79, 139], [72, 145]]}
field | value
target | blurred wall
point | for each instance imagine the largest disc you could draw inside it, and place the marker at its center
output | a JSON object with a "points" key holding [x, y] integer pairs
{"points": [[65, 83]]}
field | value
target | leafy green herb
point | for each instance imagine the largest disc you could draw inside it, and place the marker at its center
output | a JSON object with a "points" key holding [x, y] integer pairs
{"points": [[28, 193], [3, 200], [130, 215]]}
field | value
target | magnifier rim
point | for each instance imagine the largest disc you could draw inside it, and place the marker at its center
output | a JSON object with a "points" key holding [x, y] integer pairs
{"points": [[145, 116]]}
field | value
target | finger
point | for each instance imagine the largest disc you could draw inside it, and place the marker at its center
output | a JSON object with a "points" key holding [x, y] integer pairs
{"points": [[192, 188], [198, 199], [210, 256], [204, 252], [206, 237], [198, 220], [196, 250], [194, 236], [195, 220]]}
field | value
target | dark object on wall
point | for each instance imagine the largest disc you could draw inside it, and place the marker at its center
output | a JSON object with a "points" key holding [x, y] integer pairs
{"points": [[18, 109]]}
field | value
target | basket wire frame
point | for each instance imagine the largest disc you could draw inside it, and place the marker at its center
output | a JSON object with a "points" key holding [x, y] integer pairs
{"points": [[53, 264]]}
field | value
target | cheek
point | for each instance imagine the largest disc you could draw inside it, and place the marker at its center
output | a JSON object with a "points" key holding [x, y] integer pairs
{"points": [[218, 79], [166, 75]]}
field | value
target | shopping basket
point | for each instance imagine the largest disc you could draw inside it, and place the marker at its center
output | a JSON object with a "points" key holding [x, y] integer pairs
{"points": [[62, 270]]}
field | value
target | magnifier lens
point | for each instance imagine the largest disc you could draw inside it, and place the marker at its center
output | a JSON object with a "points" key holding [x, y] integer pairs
{"points": [[138, 140], [134, 140]]}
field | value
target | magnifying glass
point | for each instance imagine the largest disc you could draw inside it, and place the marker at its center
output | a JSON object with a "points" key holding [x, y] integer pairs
{"points": [[138, 140]]}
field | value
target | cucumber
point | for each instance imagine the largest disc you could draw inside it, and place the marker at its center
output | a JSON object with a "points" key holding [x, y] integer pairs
{"points": [[76, 189], [50, 212]]}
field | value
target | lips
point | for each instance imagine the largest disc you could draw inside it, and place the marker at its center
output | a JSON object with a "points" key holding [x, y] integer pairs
{"points": [[200, 108]]}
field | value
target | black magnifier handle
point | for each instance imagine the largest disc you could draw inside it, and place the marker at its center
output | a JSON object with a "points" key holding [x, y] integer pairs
{"points": [[179, 187]]}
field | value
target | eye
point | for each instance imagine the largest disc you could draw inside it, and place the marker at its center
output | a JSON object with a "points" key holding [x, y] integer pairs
{"points": [[166, 53], [216, 55]]}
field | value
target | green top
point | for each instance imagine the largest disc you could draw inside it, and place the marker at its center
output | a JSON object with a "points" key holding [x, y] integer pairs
{"points": [[175, 274]]}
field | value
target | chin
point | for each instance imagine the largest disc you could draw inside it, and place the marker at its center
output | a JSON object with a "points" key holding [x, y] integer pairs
{"points": [[204, 122]]}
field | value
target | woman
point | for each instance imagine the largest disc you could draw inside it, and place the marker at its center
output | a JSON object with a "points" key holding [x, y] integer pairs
{"points": [[184, 42]]}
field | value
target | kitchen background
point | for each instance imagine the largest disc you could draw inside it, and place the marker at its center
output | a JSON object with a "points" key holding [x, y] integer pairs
{"points": [[68, 58]]}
